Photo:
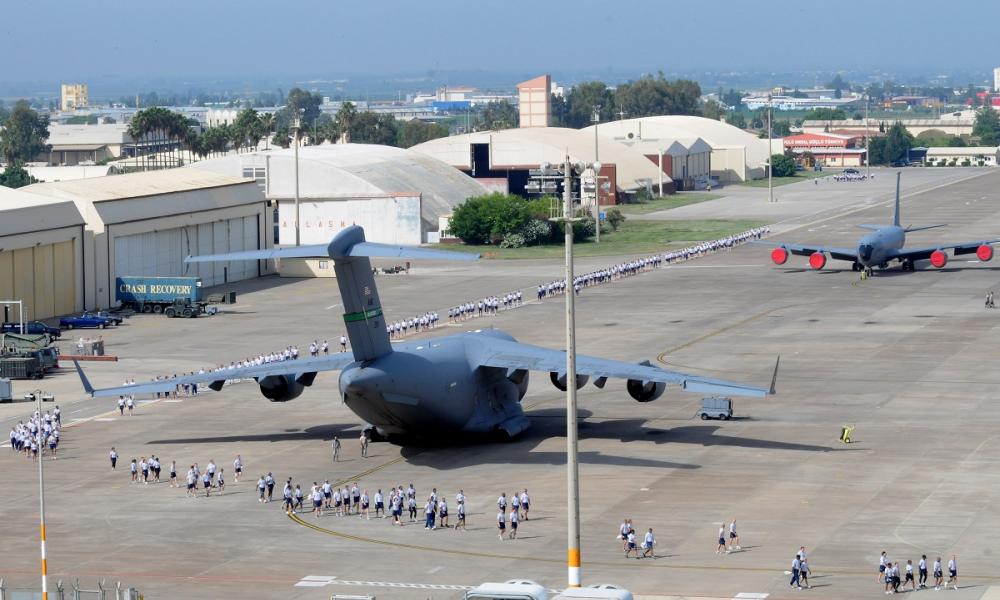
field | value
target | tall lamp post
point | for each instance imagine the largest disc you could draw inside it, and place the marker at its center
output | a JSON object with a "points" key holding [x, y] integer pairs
{"points": [[595, 118], [41, 502], [297, 125], [572, 465], [770, 153], [868, 161]]}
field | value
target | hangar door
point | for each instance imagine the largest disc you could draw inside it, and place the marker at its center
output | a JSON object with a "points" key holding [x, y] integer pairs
{"points": [[43, 277], [161, 253]]}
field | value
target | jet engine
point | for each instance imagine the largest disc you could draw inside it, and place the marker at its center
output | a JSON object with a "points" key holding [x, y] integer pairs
{"points": [[984, 253], [645, 391], [779, 256], [280, 388], [559, 380], [939, 259], [817, 260]]}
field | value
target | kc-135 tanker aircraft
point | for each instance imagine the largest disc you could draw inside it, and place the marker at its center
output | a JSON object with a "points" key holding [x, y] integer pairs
{"points": [[882, 246], [469, 383]]}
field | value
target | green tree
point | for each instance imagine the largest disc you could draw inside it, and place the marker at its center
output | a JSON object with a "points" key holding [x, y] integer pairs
{"points": [[732, 98], [487, 219], [581, 101], [373, 128], [737, 119], [23, 134], [614, 217], [248, 128], [839, 85], [987, 126], [781, 128], [303, 103], [345, 117], [713, 110], [499, 115], [657, 96], [892, 148], [782, 166], [416, 132], [15, 176]]}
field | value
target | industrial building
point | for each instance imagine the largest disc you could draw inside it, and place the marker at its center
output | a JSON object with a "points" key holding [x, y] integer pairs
{"points": [[397, 195], [503, 160], [41, 253], [828, 149], [736, 155], [792, 103], [685, 161], [959, 123], [976, 156], [138, 224]]}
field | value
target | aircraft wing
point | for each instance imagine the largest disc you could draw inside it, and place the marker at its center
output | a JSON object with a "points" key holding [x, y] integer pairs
{"points": [[216, 379], [515, 355], [800, 250], [926, 251]]}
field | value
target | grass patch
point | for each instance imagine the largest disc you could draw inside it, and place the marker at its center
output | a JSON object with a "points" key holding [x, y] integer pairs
{"points": [[633, 237], [778, 181], [666, 203]]}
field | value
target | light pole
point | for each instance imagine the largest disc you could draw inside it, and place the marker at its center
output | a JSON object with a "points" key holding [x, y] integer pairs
{"points": [[595, 118], [572, 466], [868, 161], [41, 500], [296, 125], [770, 153]]}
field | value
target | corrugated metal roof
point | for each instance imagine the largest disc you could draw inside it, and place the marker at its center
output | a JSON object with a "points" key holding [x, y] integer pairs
{"points": [[357, 171], [135, 185], [535, 145], [22, 211], [100, 134]]}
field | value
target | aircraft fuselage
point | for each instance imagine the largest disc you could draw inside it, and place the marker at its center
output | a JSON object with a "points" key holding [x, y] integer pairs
{"points": [[880, 246], [434, 387]]}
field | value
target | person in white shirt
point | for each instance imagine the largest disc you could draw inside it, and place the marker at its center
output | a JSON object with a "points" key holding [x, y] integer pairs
{"points": [[630, 545], [734, 538], [317, 499], [882, 560], [922, 568], [909, 576], [501, 523], [237, 468], [461, 517], [648, 543], [524, 503], [343, 344], [952, 572], [443, 512], [379, 504], [722, 540], [113, 456], [513, 522], [502, 501], [938, 575]]}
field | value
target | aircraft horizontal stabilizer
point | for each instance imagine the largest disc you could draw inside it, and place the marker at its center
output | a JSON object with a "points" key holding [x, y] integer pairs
{"points": [[312, 251], [911, 228]]}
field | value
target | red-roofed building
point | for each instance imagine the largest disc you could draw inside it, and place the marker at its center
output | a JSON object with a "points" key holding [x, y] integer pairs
{"points": [[828, 149]]}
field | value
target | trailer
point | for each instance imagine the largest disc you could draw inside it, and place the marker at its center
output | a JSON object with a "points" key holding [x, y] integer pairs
{"points": [[156, 294]]}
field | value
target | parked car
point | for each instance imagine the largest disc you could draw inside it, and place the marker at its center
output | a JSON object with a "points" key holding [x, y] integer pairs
{"points": [[116, 319], [85, 321], [31, 327]]}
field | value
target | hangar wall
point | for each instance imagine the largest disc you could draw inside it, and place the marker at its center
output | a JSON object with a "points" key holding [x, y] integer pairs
{"points": [[390, 220]]}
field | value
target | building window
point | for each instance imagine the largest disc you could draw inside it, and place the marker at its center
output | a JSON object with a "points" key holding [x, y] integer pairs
{"points": [[259, 174], [324, 264]]}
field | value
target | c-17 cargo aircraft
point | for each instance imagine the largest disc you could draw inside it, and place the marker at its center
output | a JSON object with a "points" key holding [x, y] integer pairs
{"points": [[469, 383], [882, 246]]}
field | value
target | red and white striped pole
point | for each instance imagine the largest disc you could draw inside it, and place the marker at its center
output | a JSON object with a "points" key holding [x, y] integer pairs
{"points": [[41, 498]]}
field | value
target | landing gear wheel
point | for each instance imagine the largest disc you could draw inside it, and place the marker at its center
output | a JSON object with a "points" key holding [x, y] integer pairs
{"points": [[855, 267]]}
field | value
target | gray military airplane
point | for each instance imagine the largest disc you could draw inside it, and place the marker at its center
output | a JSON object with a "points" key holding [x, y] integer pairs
{"points": [[882, 246], [469, 383]]}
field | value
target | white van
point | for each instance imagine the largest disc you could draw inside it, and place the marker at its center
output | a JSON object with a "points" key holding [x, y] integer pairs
{"points": [[515, 589], [604, 591]]}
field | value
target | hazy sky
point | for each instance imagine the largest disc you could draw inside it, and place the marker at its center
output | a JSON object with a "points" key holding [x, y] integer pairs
{"points": [[184, 40]]}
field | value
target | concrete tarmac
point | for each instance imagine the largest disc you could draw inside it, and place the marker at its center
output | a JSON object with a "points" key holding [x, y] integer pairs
{"points": [[904, 357]]}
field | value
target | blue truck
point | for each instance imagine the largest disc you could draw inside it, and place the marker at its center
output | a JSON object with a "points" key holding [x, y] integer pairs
{"points": [[157, 294]]}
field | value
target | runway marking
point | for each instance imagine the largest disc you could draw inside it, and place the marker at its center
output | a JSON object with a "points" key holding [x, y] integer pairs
{"points": [[332, 306], [750, 596], [315, 580], [662, 357]]}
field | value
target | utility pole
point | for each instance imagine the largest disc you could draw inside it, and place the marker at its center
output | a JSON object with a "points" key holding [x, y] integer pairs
{"points": [[297, 124], [770, 153], [572, 466], [596, 118], [868, 160], [41, 500]]}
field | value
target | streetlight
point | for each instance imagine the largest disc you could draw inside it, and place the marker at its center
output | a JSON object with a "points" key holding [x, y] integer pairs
{"points": [[868, 161], [296, 125], [41, 500], [595, 118], [770, 153], [572, 465]]}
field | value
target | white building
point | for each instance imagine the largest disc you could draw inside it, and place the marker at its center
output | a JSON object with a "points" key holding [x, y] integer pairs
{"points": [[996, 79], [981, 156]]}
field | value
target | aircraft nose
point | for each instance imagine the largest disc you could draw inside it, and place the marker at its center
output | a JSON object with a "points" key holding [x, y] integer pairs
{"points": [[865, 252]]}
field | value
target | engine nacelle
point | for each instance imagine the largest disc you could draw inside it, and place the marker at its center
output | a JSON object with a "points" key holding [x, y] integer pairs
{"points": [[280, 388], [645, 391], [817, 260], [939, 259], [984, 253], [559, 380], [519, 377], [779, 256]]}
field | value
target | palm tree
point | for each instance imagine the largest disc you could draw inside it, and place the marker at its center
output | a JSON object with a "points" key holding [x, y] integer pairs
{"points": [[267, 126]]}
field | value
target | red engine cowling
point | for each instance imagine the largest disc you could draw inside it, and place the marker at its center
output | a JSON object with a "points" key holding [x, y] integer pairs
{"points": [[779, 256], [939, 259], [984, 253], [817, 260]]}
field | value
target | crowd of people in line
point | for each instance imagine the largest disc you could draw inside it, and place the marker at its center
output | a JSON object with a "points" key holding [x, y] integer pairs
{"points": [[40, 431], [147, 470], [626, 533], [892, 576]]}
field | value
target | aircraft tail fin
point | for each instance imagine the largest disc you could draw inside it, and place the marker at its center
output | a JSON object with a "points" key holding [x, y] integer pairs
{"points": [[895, 216], [350, 252]]}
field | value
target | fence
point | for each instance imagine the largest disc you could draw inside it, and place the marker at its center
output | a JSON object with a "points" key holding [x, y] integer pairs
{"points": [[103, 592]]}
